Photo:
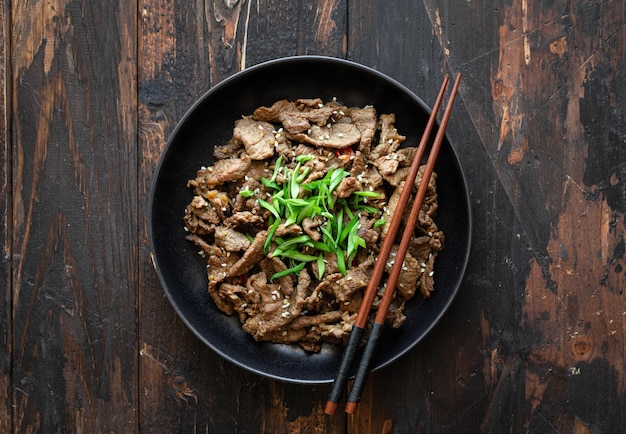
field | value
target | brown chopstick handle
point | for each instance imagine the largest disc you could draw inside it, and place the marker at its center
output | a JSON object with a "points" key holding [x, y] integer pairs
{"points": [[364, 367], [341, 379]]}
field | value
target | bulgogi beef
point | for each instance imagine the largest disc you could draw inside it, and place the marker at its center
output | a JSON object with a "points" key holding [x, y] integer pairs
{"points": [[292, 213]]}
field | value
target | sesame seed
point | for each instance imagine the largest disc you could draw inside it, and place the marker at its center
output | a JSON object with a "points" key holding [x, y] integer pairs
{"points": [[320, 105], [260, 127], [284, 314], [286, 305], [224, 265], [339, 134], [431, 273]]}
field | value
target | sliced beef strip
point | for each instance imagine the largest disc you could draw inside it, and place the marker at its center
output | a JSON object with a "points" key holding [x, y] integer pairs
{"points": [[389, 164], [356, 278], [257, 137], [310, 227], [365, 231], [346, 187], [208, 248], [395, 316], [276, 313], [427, 280], [243, 220], [389, 139], [274, 265], [200, 218], [366, 122], [251, 257], [292, 229], [217, 271], [239, 298], [408, 278], [230, 240], [228, 170], [311, 320], [336, 136], [229, 150]]}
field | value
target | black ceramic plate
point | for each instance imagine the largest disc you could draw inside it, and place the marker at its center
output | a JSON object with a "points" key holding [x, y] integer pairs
{"points": [[209, 122]]}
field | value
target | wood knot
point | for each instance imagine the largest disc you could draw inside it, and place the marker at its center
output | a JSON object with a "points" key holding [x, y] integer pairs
{"points": [[179, 383], [581, 348]]}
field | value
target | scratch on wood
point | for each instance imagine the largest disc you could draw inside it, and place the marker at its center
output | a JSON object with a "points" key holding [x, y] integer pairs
{"points": [[244, 45], [525, 31], [325, 23]]}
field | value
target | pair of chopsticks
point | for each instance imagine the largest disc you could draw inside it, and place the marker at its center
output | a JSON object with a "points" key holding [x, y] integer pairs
{"points": [[372, 288]]}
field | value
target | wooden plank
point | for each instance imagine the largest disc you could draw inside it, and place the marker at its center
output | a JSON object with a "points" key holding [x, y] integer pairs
{"points": [[74, 226], [541, 311], [6, 342], [183, 51]]}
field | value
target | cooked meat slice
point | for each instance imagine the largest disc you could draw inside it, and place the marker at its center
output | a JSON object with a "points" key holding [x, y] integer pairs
{"points": [[304, 103], [229, 150], [427, 280], [292, 229], [207, 248], [274, 265], [237, 296], [346, 187], [389, 163], [365, 120], [390, 209], [355, 279], [311, 320], [258, 170], [365, 231], [336, 136], [200, 218], [389, 139], [230, 240], [280, 335], [310, 226], [276, 311], [243, 219], [221, 303], [217, 271], [273, 113], [408, 278], [257, 137], [251, 257], [295, 117], [222, 171], [395, 318]]}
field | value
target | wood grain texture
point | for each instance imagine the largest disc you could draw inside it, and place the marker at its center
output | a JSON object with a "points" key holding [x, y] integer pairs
{"points": [[74, 182], [89, 93], [185, 51], [6, 341], [532, 330]]}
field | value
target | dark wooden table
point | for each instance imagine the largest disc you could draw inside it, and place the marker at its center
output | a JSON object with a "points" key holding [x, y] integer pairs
{"points": [[535, 341]]}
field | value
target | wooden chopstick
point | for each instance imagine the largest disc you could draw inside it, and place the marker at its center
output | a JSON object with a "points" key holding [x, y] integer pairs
{"points": [[372, 288], [392, 279]]}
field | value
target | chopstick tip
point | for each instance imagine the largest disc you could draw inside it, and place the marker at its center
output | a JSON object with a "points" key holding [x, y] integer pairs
{"points": [[330, 408], [350, 407]]}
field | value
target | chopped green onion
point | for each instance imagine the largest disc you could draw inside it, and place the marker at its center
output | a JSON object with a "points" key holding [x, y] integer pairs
{"points": [[295, 269], [378, 223], [246, 193]]}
